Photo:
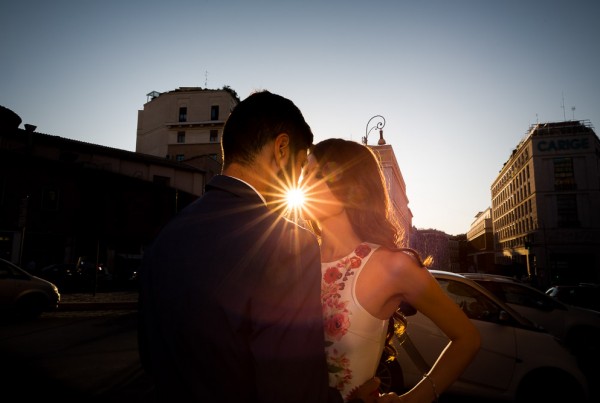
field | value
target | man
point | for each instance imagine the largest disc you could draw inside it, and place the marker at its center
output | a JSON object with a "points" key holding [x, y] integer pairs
{"points": [[230, 294]]}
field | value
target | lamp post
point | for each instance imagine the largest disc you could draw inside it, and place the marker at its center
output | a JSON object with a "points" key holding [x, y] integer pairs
{"points": [[379, 125]]}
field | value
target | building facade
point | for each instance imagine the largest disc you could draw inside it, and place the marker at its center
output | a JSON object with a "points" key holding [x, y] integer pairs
{"points": [[480, 241], [396, 188], [62, 199], [437, 245], [185, 124], [546, 205]]}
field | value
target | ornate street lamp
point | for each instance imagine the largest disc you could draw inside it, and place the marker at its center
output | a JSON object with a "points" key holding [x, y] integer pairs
{"points": [[379, 125]]}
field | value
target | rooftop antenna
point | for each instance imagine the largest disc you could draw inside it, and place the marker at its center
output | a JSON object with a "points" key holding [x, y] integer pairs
{"points": [[205, 78], [563, 106], [573, 110]]}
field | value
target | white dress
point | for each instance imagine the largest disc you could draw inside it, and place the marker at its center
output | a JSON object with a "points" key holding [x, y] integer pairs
{"points": [[354, 338]]}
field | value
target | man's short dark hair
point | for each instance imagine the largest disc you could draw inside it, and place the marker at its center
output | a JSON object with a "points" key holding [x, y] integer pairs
{"points": [[257, 120]]}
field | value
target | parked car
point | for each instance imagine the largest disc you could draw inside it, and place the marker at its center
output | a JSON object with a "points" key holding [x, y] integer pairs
{"points": [[517, 362], [582, 295], [77, 277], [579, 328], [64, 275], [24, 296]]}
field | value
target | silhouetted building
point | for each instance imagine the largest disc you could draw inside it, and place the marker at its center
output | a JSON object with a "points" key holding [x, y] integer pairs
{"points": [[61, 199], [434, 243], [457, 253]]}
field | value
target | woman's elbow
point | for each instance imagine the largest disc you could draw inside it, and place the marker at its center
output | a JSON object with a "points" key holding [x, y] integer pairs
{"points": [[473, 339]]}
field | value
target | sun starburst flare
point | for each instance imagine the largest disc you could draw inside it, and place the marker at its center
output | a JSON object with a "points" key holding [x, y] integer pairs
{"points": [[295, 198]]}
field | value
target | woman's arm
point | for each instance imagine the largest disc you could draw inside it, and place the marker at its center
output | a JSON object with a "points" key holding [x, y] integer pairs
{"points": [[419, 288]]}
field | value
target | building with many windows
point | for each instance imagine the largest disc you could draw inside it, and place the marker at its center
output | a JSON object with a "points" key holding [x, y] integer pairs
{"points": [[185, 124], [546, 204]]}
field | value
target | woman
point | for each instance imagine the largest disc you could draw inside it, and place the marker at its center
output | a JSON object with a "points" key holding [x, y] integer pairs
{"points": [[366, 276]]}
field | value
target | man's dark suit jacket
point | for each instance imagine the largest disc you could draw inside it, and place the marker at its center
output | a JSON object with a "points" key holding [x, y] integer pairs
{"points": [[230, 304]]}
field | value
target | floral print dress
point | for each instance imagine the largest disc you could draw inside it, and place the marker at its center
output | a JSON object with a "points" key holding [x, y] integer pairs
{"points": [[354, 338]]}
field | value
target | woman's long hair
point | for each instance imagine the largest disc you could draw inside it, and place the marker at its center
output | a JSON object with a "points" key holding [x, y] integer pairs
{"points": [[353, 173]]}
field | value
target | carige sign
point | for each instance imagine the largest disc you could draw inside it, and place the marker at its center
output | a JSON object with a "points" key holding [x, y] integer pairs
{"points": [[563, 144]]}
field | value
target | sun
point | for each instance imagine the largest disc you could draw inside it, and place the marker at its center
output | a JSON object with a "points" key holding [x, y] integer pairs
{"points": [[295, 199]]}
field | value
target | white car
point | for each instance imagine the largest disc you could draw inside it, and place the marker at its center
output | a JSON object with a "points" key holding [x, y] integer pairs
{"points": [[517, 361], [24, 296], [579, 328]]}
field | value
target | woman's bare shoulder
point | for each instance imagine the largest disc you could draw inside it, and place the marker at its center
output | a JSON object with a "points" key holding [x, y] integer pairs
{"points": [[401, 274], [400, 261], [402, 256]]}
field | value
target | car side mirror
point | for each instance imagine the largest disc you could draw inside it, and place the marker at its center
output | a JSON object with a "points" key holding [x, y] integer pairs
{"points": [[503, 316]]}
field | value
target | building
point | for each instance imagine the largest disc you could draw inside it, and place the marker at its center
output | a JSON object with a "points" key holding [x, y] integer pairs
{"points": [[186, 124], [394, 180], [457, 252], [438, 245], [480, 241], [62, 199], [396, 188], [546, 205]]}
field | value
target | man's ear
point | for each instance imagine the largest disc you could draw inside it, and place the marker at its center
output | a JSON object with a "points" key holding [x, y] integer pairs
{"points": [[281, 148]]}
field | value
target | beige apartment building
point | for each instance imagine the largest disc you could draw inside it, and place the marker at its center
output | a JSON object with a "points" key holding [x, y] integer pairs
{"points": [[480, 239], [186, 124], [546, 204]]}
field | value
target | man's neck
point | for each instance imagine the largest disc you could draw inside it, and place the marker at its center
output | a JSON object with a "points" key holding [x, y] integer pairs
{"points": [[247, 174]]}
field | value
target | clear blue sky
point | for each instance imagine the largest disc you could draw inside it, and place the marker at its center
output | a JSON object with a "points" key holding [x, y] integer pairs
{"points": [[458, 82]]}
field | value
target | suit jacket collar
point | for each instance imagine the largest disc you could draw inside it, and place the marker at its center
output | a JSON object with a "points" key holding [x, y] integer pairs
{"points": [[235, 186]]}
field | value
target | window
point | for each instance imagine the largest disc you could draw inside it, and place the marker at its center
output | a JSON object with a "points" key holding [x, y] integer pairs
{"points": [[183, 114], [181, 137], [214, 136], [519, 295], [566, 206], [564, 177], [50, 199], [161, 180], [471, 301], [179, 157], [214, 112]]}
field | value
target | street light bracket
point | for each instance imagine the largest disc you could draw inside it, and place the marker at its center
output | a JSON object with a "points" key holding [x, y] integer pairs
{"points": [[378, 125]]}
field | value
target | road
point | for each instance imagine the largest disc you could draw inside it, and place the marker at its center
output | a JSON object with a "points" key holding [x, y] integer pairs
{"points": [[77, 356], [86, 356], [80, 356]]}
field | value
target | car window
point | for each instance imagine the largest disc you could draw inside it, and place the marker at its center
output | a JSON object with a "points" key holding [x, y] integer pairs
{"points": [[519, 295], [8, 271], [473, 303], [583, 296]]}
